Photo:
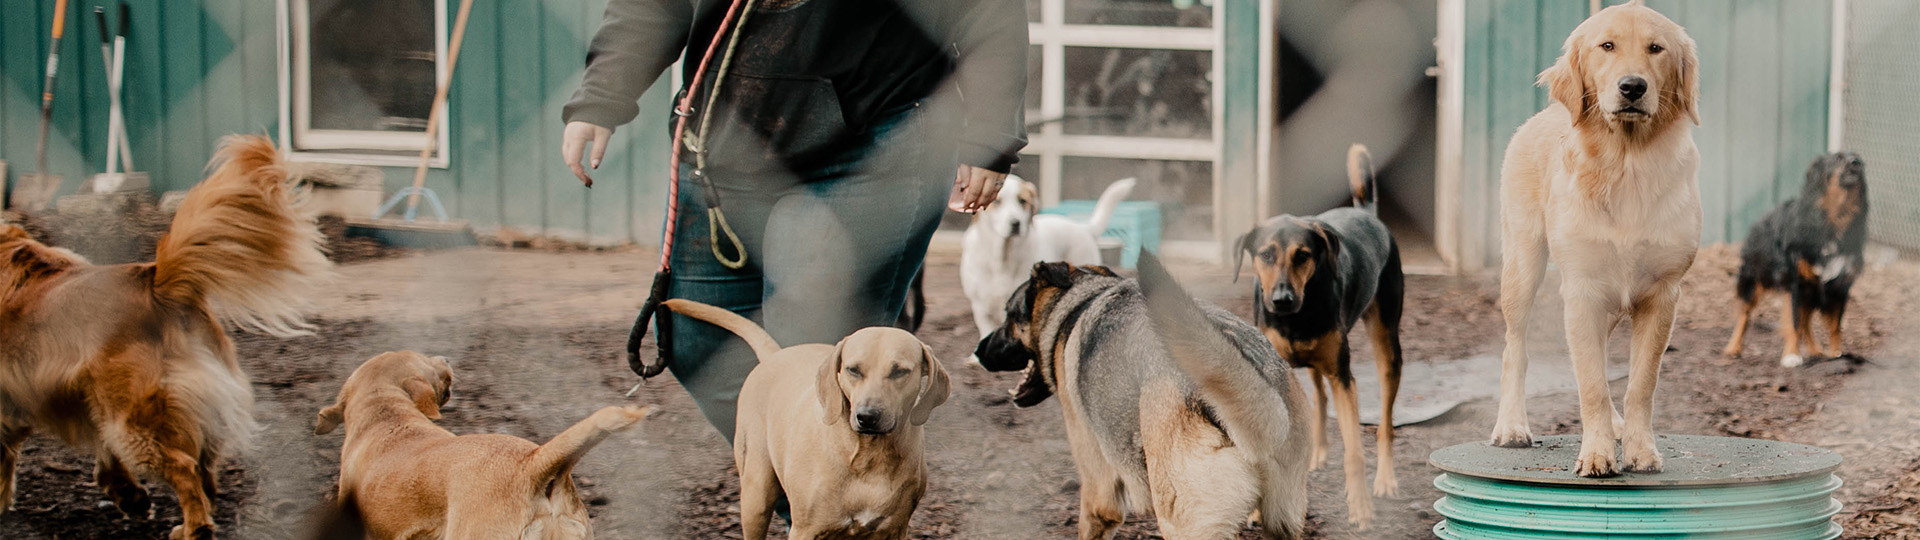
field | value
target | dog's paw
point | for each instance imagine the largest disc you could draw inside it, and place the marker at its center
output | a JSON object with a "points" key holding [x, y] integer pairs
{"points": [[132, 501], [1386, 485], [181, 532], [1640, 458], [1792, 360], [974, 360], [1512, 436], [1359, 510], [1596, 463]]}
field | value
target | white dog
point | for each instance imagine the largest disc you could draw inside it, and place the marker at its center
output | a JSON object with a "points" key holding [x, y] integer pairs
{"points": [[1007, 238], [1605, 180]]}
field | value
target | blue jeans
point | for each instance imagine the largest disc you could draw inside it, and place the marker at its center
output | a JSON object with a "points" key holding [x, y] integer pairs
{"points": [[830, 250]]}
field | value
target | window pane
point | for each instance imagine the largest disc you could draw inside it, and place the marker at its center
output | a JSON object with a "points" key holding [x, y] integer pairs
{"points": [[1034, 59], [1184, 189], [372, 64], [1139, 92], [1183, 13]]}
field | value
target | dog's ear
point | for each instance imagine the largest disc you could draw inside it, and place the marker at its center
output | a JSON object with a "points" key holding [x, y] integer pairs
{"points": [[1686, 90], [1057, 275], [1566, 80], [935, 391], [424, 397], [1330, 238], [1100, 270], [329, 419], [833, 400], [1243, 251]]}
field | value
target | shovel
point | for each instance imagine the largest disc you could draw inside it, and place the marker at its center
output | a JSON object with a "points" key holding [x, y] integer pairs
{"points": [[36, 190]]}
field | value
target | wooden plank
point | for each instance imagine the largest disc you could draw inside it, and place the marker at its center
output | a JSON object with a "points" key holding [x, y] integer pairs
{"points": [[475, 135], [184, 107], [1804, 44], [260, 52], [1557, 21], [1707, 22], [560, 65], [1516, 60], [1754, 125], [143, 98], [17, 115], [1479, 214], [66, 140], [223, 39], [647, 146], [522, 194]]}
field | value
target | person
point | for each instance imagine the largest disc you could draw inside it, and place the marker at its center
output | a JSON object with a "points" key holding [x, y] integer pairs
{"points": [[839, 132]]}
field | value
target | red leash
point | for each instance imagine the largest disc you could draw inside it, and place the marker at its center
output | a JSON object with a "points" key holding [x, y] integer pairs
{"points": [[663, 277]]}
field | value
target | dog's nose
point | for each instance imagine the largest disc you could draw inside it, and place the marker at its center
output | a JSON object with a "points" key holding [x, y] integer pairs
{"points": [[868, 420], [1015, 227], [1282, 298], [1632, 87]]}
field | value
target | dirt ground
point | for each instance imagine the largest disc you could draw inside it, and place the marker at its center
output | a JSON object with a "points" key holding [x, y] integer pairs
{"points": [[536, 338]]}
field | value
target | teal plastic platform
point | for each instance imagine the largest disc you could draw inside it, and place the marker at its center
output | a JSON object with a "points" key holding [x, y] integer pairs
{"points": [[1710, 488], [1135, 223]]}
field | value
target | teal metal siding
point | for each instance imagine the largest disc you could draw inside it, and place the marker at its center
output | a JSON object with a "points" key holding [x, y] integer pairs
{"points": [[1763, 99], [202, 69]]}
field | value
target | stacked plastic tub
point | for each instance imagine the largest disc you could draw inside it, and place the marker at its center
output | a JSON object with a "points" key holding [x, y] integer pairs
{"points": [[1710, 488]]}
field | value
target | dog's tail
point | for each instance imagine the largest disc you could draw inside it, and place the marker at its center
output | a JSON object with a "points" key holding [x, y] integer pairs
{"points": [[1254, 414], [553, 461], [243, 244], [1109, 200], [757, 337], [1366, 191]]}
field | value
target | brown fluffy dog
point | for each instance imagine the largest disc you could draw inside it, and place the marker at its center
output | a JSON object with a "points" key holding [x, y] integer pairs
{"points": [[409, 478], [130, 362]]}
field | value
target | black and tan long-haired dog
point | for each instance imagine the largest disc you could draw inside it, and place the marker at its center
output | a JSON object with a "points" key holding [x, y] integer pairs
{"points": [[130, 362], [1318, 277], [1810, 248], [1168, 404]]}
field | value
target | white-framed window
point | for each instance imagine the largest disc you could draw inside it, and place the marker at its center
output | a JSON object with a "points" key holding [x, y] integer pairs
{"points": [[1129, 88], [358, 77]]}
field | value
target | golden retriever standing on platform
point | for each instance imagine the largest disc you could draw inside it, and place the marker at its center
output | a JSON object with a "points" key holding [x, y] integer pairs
{"points": [[1605, 180], [131, 361]]}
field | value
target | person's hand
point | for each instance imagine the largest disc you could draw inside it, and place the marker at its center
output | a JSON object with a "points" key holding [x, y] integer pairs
{"points": [[573, 142], [974, 188]]}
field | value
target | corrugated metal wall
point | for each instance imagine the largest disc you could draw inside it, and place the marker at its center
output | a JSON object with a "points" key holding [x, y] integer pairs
{"points": [[1763, 99], [201, 69]]}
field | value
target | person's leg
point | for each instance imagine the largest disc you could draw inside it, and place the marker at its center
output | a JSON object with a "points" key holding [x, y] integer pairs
{"points": [[710, 362], [842, 249]]}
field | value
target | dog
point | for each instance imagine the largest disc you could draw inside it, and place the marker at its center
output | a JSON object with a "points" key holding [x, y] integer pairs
{"points": [[132, 362], [1318, 277], [1010, 235], [1167, 402], [407, 477], [1604, 179], [835, 429], [1811, 248]]}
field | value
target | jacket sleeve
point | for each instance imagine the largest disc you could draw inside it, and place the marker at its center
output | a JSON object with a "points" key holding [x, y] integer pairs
{"points": [[991, 38], [637, 40]]}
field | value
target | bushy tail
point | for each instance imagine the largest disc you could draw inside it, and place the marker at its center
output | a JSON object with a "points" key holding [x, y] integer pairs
{"points": [[757, 337], [1103, 209], [1255, 415], [242, 243], [1360, 177]]}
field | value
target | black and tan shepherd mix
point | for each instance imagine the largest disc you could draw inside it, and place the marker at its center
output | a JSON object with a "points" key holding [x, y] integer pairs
{"points": [[1319, 277], [1810, 248], [130, 362]]}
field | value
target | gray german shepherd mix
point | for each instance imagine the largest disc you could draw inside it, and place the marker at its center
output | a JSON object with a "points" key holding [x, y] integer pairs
{"points": [[1167, 401]]}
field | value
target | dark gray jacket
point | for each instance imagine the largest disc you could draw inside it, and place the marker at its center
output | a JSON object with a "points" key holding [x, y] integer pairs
{"points": [[810, 75]]}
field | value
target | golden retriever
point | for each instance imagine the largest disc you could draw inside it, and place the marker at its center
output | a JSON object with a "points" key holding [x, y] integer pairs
{"points": [[130, 362], [405, 477], [836, 429], [1605, 180]]}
